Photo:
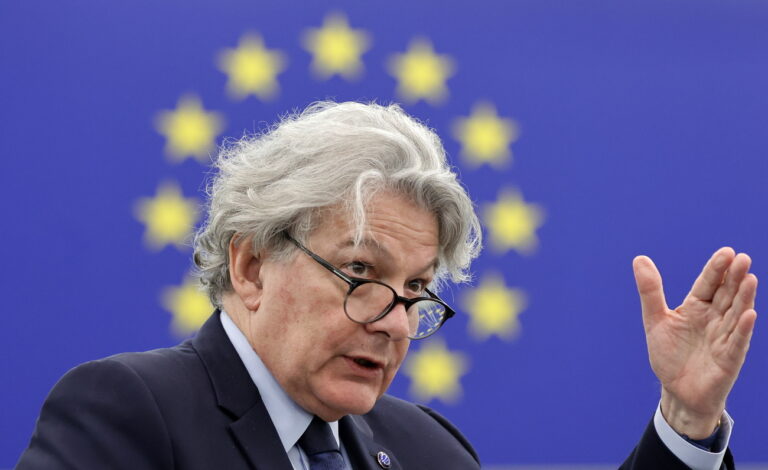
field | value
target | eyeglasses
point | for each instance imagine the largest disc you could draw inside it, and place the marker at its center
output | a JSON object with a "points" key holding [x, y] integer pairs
{"points": [[368, 300]]}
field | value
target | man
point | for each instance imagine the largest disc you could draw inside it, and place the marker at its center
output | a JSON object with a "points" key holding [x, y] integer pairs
{"points": [[324, 240]]}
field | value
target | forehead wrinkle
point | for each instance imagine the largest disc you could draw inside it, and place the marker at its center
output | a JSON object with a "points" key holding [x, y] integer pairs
{"points": [[374, 244]]}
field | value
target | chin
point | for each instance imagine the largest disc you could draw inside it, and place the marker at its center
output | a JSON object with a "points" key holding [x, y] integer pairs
{"points": [[349, 399]]}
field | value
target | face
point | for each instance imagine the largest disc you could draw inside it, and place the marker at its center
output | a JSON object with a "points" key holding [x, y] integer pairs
{"points": [[328, 364]]}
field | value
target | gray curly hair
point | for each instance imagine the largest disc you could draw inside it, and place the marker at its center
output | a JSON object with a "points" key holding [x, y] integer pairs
{"points": [[328, 155]]}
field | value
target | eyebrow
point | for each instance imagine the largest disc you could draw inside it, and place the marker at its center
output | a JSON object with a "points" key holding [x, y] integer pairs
{"points": [[366, 242], [381, 249]]}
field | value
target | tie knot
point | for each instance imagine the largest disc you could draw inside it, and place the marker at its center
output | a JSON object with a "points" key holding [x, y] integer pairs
{"points": [[318, 438]]}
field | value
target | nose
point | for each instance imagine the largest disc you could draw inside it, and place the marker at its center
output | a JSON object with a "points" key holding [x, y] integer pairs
{"points": [[394, 324]]}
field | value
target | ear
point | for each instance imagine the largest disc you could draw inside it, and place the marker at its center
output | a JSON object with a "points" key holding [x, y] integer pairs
{"points": [[245, 272]]}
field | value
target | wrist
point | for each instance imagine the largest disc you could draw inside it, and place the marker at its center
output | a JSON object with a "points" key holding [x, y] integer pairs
{"points": [[688, 422]]}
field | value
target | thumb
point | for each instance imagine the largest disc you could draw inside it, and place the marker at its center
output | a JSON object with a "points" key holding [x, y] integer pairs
{"points": [[650, 289]]}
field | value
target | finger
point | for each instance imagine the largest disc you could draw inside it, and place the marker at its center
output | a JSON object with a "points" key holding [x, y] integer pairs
{"points": [[724, 296], [743, 301], [741, 336], [650, 288], [712, 275]]}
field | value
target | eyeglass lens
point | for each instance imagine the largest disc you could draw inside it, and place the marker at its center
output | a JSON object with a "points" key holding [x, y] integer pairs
{"points": [[368, 301]]}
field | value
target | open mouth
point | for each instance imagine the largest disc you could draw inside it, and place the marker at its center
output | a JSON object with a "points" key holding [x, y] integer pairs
{"points": [[365, 363]]}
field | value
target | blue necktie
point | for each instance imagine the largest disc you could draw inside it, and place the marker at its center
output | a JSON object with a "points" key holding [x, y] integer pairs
{"points": [[320, 446]]}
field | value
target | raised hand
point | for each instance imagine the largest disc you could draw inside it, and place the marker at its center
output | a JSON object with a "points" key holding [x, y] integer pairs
{"points": [[697, 349]]}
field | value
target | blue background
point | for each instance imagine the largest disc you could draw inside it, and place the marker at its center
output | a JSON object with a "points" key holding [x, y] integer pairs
{"points": [[643, 130]]}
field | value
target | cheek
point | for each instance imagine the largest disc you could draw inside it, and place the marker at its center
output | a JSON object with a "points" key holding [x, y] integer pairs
{"points": [[321, 312], [293, 310], [310, 327], [400, 351]]}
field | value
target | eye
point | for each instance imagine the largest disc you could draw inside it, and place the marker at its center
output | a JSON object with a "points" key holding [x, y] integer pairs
{"points": [[358, 269], [418, 286]]}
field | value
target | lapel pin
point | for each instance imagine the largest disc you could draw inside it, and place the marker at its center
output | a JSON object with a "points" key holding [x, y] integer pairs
{"points": [[383, 459]]}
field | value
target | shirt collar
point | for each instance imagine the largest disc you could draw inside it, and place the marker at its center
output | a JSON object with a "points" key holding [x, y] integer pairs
{"points": [[290, 420]]}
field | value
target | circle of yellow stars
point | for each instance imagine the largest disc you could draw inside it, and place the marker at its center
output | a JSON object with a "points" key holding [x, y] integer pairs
{"points": [[336, 48]]}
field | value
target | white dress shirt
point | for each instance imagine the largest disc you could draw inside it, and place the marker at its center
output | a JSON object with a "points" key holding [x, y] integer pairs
{"points": [[290, 420], [694, 457]]}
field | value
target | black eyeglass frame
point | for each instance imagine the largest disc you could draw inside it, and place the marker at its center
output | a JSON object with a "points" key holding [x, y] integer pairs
{"points": [[355, 282]]}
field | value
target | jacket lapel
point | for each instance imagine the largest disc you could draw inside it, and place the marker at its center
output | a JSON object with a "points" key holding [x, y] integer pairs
{"points": [[237, 396], [259, 442], [362, 450]]}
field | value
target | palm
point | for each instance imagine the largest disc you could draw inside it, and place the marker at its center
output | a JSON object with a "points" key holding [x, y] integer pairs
{"points": [[689, 353], [697, 349]]}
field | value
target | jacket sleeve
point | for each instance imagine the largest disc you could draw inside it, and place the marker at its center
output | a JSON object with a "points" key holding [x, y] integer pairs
{"points": [[99, 415], [652, 454]]}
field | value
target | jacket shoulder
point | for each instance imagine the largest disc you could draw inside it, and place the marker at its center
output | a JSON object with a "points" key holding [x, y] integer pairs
{"points": [[120, 411], [100, 414], [167, 370]]}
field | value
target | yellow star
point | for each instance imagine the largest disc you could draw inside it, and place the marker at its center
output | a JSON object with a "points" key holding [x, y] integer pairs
{"points": [[421, 74], [494, 308], [435, 372], [485, 138], [335, 48], [513, 223], [189, 130], [252, 68], [189, 305], [169, 217]]}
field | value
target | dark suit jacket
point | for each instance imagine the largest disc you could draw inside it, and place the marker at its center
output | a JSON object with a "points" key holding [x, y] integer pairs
{"points": [[194, 406]]}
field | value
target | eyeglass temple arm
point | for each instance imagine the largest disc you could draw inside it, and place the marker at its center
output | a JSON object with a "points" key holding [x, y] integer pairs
{"points": [[320, 260]]}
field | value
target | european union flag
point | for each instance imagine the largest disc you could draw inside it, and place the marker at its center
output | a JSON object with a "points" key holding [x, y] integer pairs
{"points": [[587, 133]]}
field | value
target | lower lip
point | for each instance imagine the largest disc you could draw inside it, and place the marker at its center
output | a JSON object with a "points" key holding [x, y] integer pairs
{"points": [[362, 371]]}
